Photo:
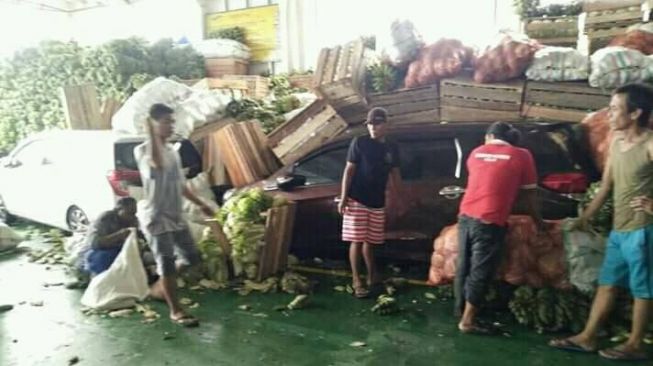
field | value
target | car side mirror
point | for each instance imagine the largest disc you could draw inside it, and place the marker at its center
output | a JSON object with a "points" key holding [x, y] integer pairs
{"points": [[288, 182]]}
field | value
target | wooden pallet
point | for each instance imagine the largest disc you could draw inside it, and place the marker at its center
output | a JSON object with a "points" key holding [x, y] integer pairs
{"points": [[245, 152], [613, 18], [307, 131], [463, 100], [218, 67], [273, 257], [339, 80], [562, 101], [601, 5], [419, 105], [258, 86], [553, 31]]}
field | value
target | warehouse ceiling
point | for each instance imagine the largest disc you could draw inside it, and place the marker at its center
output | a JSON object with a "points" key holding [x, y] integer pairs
{"points": [[69, 6]]}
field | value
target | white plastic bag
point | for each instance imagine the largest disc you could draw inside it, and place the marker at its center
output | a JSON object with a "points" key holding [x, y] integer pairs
{"points": [[222, 48], [584, 254], [616, 66], [201, 187], [120, 286], [558, 64], [76, 248], [8, 238]]}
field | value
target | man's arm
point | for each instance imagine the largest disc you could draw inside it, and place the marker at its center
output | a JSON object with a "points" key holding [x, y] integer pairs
{"points": [[347, 176], [189, 195], [156, 146], [532, 207], [112, 240], [600, 198]]}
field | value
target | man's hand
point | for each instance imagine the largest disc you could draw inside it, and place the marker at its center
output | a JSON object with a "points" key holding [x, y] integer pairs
{"points": [[342, 205], [208, 211], [642, 203]]}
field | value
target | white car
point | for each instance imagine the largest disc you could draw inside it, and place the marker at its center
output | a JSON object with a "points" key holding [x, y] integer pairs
{"points": [[67, 178]]}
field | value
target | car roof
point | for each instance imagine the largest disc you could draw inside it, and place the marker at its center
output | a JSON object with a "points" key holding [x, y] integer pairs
{"points": [[418, 129]]}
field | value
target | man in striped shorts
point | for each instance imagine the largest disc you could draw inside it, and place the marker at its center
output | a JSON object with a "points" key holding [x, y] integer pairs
{"points": [[370, 161]]}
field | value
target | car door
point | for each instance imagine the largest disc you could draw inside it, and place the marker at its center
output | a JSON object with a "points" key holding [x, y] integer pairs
{"points": [[24, 182], [430, 167], [317, 222]]}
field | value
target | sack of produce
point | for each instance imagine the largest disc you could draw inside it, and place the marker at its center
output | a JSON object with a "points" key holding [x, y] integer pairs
{"points": [[616, 66], [506, 60], [222, 48], [132, 116], [8, 238], [558, 64], [640, 39], [529, 258], [599, 135], [443, 59], [405, 43]]}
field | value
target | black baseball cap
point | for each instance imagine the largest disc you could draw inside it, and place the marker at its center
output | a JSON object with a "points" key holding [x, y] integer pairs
{"points": [[377, 115]]}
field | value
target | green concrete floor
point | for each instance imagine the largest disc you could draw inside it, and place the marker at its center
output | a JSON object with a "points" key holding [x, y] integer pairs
{"points": [[422, 334]]}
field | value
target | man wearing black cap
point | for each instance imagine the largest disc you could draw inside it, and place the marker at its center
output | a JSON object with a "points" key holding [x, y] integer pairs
{"points": [[370, 161]]}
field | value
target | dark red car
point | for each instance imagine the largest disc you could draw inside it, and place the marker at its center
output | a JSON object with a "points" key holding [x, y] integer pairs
{"points": [[433, 169]]}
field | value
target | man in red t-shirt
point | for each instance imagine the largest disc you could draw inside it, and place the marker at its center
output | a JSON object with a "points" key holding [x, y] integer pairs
{"points": [[498, 171]]}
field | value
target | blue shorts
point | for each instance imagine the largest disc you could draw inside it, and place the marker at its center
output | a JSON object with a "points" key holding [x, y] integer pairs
{"points": [[628, 262]]}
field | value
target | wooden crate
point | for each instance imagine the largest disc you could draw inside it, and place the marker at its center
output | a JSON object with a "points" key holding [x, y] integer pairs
{"points": [[601, 5], [245, 152], [218, 67], [621, 17], [339, 80], [562, 101], [82, 108], [304, 81], [307, 131], [553, 31], [463, 100], [419, 105], [273, 257], [258, 86]]}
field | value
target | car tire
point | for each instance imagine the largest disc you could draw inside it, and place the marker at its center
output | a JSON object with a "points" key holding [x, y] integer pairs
{"points": [[5, 216], [76, 219]]}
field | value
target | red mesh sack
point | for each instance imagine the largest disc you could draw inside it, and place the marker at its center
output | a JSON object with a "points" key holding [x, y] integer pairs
{"points": [[504, 61]]}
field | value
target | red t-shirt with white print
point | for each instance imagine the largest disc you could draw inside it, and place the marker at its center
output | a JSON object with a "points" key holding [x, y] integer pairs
{"points": [[497, 171]]}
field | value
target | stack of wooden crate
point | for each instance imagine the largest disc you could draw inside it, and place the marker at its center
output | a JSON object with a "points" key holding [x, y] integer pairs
{"points": [[418, 105], [562, 101], [258, 86], [244, 150], [218, 67], [308, 130], [463, 100], [553, 31], [339, 79], [606, 19], [303, 81]]}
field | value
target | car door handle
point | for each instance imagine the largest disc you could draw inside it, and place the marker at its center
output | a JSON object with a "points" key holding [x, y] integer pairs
{"points": [[451, 192]]}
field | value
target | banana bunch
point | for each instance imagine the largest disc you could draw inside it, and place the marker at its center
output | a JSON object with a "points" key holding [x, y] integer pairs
{"points": [[550, 310], [385, 305], [294, 283]]}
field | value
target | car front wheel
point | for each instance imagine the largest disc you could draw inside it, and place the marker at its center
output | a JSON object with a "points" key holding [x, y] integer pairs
{"points": [[76, 219]]}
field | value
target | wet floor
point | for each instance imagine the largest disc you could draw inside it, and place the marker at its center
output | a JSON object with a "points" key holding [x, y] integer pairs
{"points": [[46, 327]]}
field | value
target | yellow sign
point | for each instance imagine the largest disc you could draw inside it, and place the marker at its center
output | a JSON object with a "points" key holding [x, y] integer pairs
{"points": [[260, 26]]}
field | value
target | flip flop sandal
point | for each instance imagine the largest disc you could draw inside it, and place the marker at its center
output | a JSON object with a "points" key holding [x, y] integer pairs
{"points": [[569, 345], [479, 330], [361, 292], [187, 321], [619, 355]]}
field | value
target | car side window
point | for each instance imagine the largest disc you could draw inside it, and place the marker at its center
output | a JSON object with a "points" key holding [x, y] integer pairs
{"points": [[324, 168], [427, 159], [31, 154]]}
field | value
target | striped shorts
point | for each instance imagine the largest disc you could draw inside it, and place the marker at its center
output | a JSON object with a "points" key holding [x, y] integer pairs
{"points": [[363, 224]]}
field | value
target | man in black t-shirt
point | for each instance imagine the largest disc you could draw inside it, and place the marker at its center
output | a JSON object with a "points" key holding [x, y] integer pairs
{"points": [[370, 161]]}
